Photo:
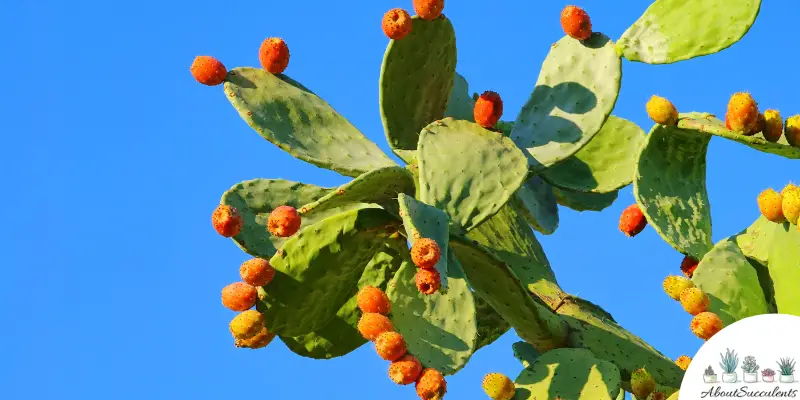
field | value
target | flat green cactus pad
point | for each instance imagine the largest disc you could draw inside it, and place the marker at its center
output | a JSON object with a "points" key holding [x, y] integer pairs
{"points": [[416, 81], [468, 171], [525, 353], [491, 325], [439, 329], [710, 125], [494, 282], [605, 164], [592, 330], [317, 268], [675, 30], [574, 374], [301, 123], [756, 241], [731, 283], [423, 221], [575, 93], [536, 201], [340, 336], [255, 199], [585, 201], [784, 268], [460, 105], [380, 186], [670, 188]]}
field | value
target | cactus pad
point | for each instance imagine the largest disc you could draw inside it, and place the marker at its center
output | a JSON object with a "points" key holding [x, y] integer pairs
{"points": [[670, 188], [710, 125], [317, 268], [575, 93], [756, 241], [439, 329], [525, 353], [491, 325], [416, 81], [584, 201], [784, 268], [301, 123], [378, 186], [675, 30], [605, 164], [731, 283], [468, 171], [423, 221], [341, 336], [460, 105], [574, 374], [255, 199], [536, 201]]}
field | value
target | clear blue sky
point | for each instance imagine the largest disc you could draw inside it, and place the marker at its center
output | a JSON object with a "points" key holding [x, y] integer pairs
{"points": [[114, 157]]}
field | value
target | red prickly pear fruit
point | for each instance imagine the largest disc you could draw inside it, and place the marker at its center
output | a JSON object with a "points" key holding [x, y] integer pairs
{"points": [[431, 385], [576, 23], [425, 253], [642, 383], [761, 123], [428, 281], [373, 300], [675, 285], [257, 272], [683, 362], [261, 339], [688, 265], [274, 55], [226, 220], [390, 346], [662, 111], [770, 203], [239, 296], [372, 325], [247, 324], [488, 109], [428, 9], [790, 203], [742, 113], [405, 371], [283, 221], [792, 130], [498, 386], [706, 324], [694, 301], [208, 70], [773, 125], [396, 23], [632, 220]]}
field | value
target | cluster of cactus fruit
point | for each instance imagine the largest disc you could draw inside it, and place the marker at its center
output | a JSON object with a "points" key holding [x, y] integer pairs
{"points": [[435, 259]]}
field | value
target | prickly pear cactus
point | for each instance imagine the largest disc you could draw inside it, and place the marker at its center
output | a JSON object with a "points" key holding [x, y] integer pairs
{"points": [[448, 239]]}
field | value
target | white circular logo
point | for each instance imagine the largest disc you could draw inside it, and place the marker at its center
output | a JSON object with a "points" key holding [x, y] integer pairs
{"points": [[754, 358]]}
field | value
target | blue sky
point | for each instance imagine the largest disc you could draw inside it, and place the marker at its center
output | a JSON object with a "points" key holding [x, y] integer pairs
{"points": [[114, 157]]}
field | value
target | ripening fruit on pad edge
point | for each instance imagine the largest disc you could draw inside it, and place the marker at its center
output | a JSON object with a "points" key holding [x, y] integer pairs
{"points": [[239, 296], [773, 125], [428, 9], [576, 23], [226, 220], [498, 386], [675, 285], [261, 339], [431, 385], [371, 325], [257, 272], [770, 203], [396, 24], [688, 265], [405, 371], [390, 346], [425, 253], [790, 204], [283, 221], [208, 70], [247, 324], [706, 324], [428, 281], [488, 109], [661, 111], [274, 55], [373, 300], [683, 362], [742, 114], [792, 130], [642, 383], [694, 301], [632, 221]]}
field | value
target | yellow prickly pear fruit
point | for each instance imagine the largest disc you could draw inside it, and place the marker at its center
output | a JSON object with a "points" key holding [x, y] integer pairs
{"points": [[694, 301], [790, 203], [706, 324], [259, 340], [675, 285], [742, 113], [770, 203], [773, 125], [662, 111], [247, 324], [642, 383], [792, 130], [498, 386]]}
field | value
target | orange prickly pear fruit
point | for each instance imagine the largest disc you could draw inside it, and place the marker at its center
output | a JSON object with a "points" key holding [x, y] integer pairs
{"points": [[239, 296], [226, 220], [742, 113], [396, 24], [683, 362], [488, 109], [694, 301], [405, 371], [688, 265], [257, 272], [208, 70], [371, 325], [428, 281], [706, 324], [431, 385], [770, 203], [274, 55], [425, 253], [390, 346], [576, 23], [283, 221], [428, 9], [373, 300], [632, 221]]}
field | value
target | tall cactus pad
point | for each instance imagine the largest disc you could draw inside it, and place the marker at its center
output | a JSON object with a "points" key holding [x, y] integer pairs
{"points": [[710, 125], [460, 105], [605, 164], [494, 282], [537, 203], [255, 199], [585, 201], [416, 81], [340, 336], [525, 353], [670, 187], [757, 240], [317, 268], [575, 93], [675, 30], [468, 171], [301, 123], [731, 283], [491, 325], [380, 186], [439, 329], [784, 268], [423, 221], [574, 374]]}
